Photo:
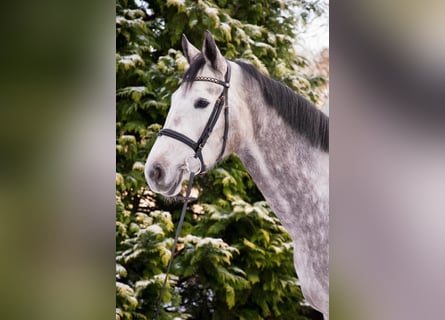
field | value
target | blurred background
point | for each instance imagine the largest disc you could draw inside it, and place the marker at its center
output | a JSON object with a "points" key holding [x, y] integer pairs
{"points": [[58, 159], [387, 177]]}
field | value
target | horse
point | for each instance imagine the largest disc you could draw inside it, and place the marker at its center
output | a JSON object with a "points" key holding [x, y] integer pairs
{"points": [[280, 137]]}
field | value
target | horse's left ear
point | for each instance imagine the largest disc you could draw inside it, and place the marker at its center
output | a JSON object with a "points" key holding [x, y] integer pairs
{"points": [[189, 50], [211, 52]]}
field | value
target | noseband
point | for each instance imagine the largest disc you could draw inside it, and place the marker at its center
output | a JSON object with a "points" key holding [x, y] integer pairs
{"points": [[222, 101]]}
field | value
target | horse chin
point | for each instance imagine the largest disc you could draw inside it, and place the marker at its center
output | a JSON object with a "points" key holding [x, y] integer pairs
{"points": [[173, 191]]}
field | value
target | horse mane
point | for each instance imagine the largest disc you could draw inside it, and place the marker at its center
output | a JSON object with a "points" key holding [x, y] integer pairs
{"points": [[298, 112]]}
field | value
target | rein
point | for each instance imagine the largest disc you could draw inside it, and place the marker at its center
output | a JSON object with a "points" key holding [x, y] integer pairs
{"points": [[175, 242], [197, 146]]}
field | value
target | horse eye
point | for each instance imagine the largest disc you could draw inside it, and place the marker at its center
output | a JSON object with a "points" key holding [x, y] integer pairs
{"points": [[201, 103]]}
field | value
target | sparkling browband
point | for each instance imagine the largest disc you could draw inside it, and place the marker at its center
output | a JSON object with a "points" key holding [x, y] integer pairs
{"points": [[225, 84]]}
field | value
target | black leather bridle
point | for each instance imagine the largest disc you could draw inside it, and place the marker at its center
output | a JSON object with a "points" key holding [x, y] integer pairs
{"points": [[222, 101]]}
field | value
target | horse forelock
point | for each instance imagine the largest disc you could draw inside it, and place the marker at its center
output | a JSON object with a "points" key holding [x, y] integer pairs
{"points": [[195, 66]]}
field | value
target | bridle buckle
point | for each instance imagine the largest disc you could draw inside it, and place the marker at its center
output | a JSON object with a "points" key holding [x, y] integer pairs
{"points": [[193, 165]]}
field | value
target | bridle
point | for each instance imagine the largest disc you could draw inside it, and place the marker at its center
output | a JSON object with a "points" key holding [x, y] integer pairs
{"points": [[197, 146], [222, 101]]}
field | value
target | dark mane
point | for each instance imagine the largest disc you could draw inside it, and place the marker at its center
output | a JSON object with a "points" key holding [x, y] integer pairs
{"points": [[298, 112]]}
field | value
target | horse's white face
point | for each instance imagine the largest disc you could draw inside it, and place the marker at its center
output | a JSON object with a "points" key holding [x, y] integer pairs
{"points": [[191, 106]]}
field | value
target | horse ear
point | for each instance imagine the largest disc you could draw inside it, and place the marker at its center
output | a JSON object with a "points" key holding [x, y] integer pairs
{"points": [[211, 52], [189, 50]]}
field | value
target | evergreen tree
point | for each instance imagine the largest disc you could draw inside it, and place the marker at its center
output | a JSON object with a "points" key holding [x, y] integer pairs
{"points": [[234, 259]]}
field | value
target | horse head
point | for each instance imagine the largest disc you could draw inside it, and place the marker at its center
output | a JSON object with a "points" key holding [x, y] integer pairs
{"points": [[196, 128]]}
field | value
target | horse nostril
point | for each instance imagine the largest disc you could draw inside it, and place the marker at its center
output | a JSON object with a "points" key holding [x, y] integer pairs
{"points": [[156, 173]]}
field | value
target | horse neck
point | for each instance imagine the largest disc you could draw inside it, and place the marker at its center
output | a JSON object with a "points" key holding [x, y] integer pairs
{"points": [[291, 174]]}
